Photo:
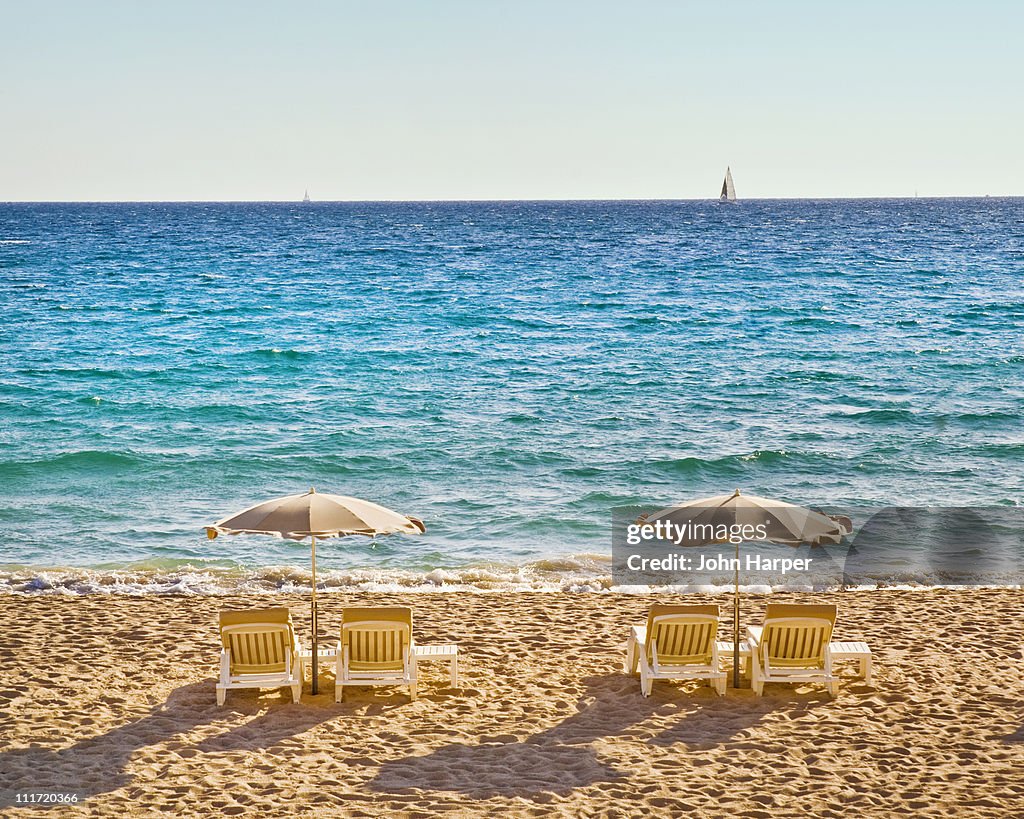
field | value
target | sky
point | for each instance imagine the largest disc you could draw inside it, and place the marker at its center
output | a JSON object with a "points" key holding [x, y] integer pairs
{"points": [[444, 99]]}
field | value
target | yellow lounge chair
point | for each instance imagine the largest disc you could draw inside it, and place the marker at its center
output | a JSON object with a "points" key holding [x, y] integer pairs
{"points": [[376, 648], [678, 643], [793, 646], [259, 650]]}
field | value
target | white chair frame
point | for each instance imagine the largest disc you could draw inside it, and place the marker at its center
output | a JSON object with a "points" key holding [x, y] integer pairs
{"points": [[762, 671], [654, 670], [293, 665], [405, 676]]}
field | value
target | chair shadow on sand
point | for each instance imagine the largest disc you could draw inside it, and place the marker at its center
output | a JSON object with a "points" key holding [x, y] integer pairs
{"points": [[1014, 737], [562, 758], [98, 764], [559, 759]]}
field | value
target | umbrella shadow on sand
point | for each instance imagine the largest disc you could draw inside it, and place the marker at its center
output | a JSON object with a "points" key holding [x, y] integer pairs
{"points": [[562, 758], [98, 764], [706, 728]]}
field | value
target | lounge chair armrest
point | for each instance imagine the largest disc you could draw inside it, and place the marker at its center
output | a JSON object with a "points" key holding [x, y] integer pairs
{"points": [[754, 634]]}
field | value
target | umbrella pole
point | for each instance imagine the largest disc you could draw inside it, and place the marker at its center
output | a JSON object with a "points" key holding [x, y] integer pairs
{"points": [[313, 618], [736, 623]]}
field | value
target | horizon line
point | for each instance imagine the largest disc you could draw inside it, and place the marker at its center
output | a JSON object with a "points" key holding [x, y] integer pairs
{"points": [[487, 200]]}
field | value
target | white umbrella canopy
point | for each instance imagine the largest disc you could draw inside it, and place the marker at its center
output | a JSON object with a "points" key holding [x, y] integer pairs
{"points": [[315, 515], [785, 523]]}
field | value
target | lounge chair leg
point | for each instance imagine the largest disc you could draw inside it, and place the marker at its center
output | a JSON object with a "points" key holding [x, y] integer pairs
{"points": [[833, 689], [221, 695], [339, 693], [296, 692], [719, 684], [756, 684], [412, 692]]}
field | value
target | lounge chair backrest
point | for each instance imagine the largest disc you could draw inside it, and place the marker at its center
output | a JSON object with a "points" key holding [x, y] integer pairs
{"points": [[259, 639], [278, 615], [376, 637], [258, 648], [820, 611], [681, 635], [795, 642]]}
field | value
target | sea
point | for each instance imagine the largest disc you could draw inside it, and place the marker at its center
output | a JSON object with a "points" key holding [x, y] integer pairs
{"points": [[509, 372]]}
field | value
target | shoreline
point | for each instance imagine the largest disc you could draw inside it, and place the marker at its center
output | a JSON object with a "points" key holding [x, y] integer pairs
{"points": [[281, 581], [115, 698]]}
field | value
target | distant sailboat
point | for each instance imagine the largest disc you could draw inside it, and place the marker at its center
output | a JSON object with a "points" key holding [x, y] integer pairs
{"points": [[306, 197], [728, 189]]}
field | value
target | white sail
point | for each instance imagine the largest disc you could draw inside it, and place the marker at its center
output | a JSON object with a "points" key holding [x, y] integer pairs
{"points": [[728, 189], [306, 197]]}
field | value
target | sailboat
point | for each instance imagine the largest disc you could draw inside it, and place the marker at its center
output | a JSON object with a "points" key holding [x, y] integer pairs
{"points": [[306, 197], [728, 189]]}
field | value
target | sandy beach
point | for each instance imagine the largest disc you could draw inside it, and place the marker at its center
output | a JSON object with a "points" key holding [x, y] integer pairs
{"points": [[113, 697]]}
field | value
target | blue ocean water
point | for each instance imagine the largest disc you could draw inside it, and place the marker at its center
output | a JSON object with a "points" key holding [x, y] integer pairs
{"points": [[507, 371]]}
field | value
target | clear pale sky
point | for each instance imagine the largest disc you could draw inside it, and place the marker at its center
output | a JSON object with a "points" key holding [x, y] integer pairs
{"points": [[441, 99]]}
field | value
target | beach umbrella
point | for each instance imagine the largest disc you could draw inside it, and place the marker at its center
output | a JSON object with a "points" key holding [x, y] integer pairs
{"points": [[320, 516], [784, 523]]}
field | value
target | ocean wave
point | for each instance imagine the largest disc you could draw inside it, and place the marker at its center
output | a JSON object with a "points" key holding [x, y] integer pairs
{"points": [[736, 465], [994, 417], [816, 322], [575, 574], [1000, 450], [278, 354], [572, 574], [797, 376], [87, 460], [76, 372], [883, 416]]}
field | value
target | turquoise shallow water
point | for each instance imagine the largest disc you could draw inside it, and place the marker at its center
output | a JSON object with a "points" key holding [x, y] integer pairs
{"points": [[506, 371]]}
